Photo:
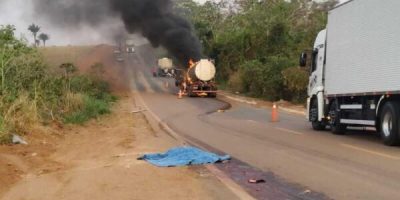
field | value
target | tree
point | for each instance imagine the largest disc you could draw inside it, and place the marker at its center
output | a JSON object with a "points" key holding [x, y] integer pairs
{"points": [[35, 30], [44, 37], [256, 43]]}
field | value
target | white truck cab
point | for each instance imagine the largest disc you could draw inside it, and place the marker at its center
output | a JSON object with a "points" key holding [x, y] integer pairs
{"points": [[316, 85]]}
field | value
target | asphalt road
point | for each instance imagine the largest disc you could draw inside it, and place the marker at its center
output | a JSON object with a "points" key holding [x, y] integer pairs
{"points": [[354, 166]]}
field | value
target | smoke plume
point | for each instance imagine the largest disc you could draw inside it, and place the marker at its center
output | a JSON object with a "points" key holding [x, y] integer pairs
{"points": [[154, 19]]}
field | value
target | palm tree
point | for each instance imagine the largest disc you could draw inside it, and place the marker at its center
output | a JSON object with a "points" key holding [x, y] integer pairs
{"points": [[34, 29], [44, 37]]}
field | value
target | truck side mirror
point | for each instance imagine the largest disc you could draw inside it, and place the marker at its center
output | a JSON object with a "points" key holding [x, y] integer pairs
{"points": [[303, 59]]}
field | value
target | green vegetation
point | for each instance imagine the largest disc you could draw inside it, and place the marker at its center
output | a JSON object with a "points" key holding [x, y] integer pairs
{"points": [[31, 94], [91, 108], [256, 43]]}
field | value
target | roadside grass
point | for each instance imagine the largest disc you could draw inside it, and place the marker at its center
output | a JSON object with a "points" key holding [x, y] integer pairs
{"points": [[4, 136], [92, 108], [89, 97], [41, 86]]}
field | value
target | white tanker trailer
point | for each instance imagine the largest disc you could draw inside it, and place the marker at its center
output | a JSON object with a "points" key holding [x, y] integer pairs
{"points": [[165, 68], [199, 79]]}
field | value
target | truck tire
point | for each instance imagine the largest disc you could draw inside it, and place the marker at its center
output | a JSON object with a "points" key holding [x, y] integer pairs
{"points": [[212, 95], [191, 94], [337, 128], [389, 123], [317, 125]]}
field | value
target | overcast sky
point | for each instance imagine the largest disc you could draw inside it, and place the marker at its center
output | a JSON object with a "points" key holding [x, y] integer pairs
{"points": [[19, 13]]}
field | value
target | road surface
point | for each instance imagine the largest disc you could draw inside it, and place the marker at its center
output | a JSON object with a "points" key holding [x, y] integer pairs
{"points": [[354, 166]]}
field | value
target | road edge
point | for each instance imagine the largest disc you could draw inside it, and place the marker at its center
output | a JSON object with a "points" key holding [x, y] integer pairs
{"points": [[156, 122], [254, 103]]}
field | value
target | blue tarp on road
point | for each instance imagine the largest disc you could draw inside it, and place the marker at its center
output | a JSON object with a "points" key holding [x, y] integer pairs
{"points": [[183, 156]]}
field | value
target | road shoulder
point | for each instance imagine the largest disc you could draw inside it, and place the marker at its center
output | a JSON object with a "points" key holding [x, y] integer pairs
{"points": [[282, 105], [98, 161]]}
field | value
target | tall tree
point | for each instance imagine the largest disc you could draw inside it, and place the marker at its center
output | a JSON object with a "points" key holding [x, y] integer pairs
{"points": [[44, 37], [34, 29]]}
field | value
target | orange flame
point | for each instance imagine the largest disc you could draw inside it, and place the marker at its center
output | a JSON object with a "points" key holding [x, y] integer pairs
{"points": [[191, 63]]}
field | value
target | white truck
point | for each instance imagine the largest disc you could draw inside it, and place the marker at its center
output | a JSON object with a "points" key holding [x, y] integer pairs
{"points": [[355, 69], [165, 68], [130, 46]]}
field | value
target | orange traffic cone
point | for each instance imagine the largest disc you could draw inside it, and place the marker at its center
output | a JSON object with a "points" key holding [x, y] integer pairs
{"points": [[274, 113]]}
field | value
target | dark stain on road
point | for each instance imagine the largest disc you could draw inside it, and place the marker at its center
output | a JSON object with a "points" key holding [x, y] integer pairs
{"points": [[273, 186]]}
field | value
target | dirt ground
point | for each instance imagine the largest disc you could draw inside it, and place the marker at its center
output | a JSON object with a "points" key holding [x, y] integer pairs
{"points": [[98, 160], [113, 72], [86, 56]]}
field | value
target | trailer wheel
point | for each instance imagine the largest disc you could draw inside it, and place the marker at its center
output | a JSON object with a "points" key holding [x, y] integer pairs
{"points": [[334, 121], [317, 125], [191, 94], [389, 123]]}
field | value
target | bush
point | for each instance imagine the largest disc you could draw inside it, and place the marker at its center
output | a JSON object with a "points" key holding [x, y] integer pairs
{"points": [[92, 108], [296, 81], [31, 94], [264, 79], [253, 44], [235, 82]]}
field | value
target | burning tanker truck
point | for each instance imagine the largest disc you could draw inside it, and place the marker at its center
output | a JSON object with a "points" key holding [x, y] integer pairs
{"points": [[198, 80]]}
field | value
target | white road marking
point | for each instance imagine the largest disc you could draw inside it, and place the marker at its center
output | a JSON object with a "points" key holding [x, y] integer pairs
{"points": [[371, 152], [241, 100], [289, 131], [293, 111]]}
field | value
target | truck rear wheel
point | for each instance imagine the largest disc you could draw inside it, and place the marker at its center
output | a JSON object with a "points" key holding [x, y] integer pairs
{"points": [[317, 125], [334, 121], [191, 94], [389, 123]]}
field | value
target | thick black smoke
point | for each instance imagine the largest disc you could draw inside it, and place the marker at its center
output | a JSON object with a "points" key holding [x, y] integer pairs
{"points": [[157, 22], [153, 18]]}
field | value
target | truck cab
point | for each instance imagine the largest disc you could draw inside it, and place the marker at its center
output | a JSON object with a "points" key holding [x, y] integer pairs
{"points": [[315, 90]]}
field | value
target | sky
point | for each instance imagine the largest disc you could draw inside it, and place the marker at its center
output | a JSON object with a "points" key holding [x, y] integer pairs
{"points": [[19, 13], [22, 18]]}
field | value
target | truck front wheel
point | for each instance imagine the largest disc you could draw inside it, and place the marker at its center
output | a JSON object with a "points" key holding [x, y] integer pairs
{"points": [[389, 123], [317, 125], [334, 121]]}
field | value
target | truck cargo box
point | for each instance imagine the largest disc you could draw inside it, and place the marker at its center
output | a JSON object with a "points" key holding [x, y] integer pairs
{"points": [[363, 48]]}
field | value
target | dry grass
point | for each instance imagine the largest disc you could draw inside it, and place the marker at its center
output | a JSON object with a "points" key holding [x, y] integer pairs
{"points": [[73, 102], [56, 55], [21, 116]]}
